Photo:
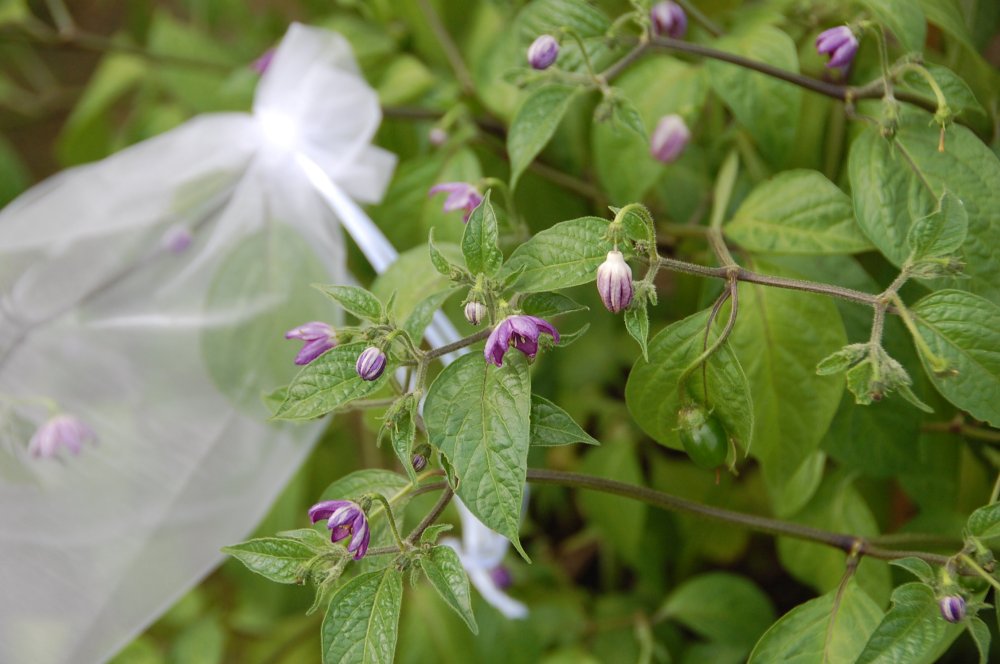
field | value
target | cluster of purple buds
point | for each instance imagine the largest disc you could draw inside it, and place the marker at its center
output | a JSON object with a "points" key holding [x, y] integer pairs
{"points": [[519, 331], [344, 519], [371, 363], [461, 196], [952, 608], [669, 139], [614, 282], [839, 43], [318, 337], [475, 312], [668, 20], [543, 52], [60, 431]]}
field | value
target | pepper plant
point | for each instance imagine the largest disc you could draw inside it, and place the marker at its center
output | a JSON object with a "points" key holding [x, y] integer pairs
{"points": [[729, 283]]}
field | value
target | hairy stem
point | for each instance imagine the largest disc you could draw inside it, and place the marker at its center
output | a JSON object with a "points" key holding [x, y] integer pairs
{"points": [[455, 345], [845, 542], [451, 51], [432, 516]]}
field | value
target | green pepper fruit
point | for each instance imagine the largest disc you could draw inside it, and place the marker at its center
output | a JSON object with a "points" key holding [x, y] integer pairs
{"points": [[703, 436]]}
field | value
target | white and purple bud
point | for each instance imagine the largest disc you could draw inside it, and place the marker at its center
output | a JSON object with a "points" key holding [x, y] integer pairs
{"points": [[437, 136], [344, 519], [521, 332], [461, 196], [543, 52], [419, 462], [59, 432], [669, 20], [952, 608], [475, 312], [614, 282], [319, 337], [176, 239], [371, 363], [839, 43], [669, 139]]}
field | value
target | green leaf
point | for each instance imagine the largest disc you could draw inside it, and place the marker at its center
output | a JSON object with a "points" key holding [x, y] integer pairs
{"points": [[779, 338], [980, 633], [410, 278], [797, 212], [549, 305], [279, 559], [895, 183], [361, 625], [567, 254], [804, 635], [356, 301], [637, 324], [984, 523], [423, 313], [440, 262], [625, 114], [402, 443], [478, 416], [839, 507], [940, 233], [721, 607], [445, 572], [903, 18], [327, 383], [956, 91], [964, 330], [620, 521], [917, 567], [479, 242], [551, 425], [767, 107], [248, 354], [652, 391], [534, 123], [912, 632], [200, 642]]}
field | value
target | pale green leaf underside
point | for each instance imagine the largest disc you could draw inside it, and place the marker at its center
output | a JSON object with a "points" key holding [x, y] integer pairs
{"points": [[361, 624]]}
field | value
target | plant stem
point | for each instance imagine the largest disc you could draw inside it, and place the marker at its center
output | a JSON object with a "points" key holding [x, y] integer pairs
{"points": [[710, 26], [451, 51], [962, 429], [432, 516], [391, 519], [974, 566], [844, 542], [455, 345]]}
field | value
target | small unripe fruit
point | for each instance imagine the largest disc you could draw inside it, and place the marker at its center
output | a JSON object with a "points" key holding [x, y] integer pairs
{"points": [[704, 438]]}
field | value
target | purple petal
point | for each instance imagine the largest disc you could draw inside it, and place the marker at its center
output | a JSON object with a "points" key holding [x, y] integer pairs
{"points": [[312, 350], [496, 344], [311, 331], [323, 510]]}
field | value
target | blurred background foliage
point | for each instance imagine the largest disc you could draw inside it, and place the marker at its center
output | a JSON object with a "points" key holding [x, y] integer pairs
{"points": [[612, 581]]}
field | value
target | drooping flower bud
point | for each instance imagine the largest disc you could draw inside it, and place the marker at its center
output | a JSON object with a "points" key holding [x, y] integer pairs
{"points": [[319, 337], [437, 136], [344, 519], [60, 431], [669, 20], [543, 52], [952, 608], [614, 282], [419, 462], [519, 331], [475, 312], [371, 363], [839, 43], [669, 139]]}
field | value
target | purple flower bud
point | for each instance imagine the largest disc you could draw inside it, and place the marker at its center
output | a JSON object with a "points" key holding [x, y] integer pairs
{"points": [[461, 196], [261, 64], [475, 312], [614, 282], [176, 239], [501, 577], [344, 519], [839, 43], [319, 338], [520, 331], [669, 20], [669, 139], [371, 363], [952, 608], [437, 136], [419, 462], [60, 431], [543, 52]]}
